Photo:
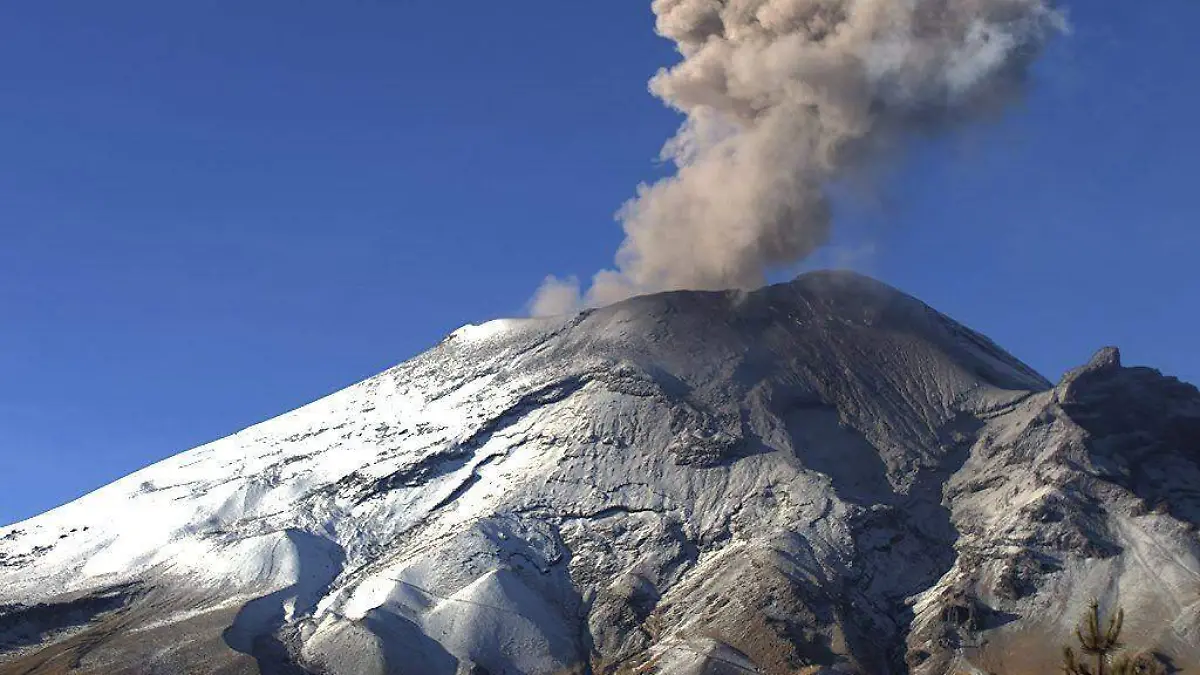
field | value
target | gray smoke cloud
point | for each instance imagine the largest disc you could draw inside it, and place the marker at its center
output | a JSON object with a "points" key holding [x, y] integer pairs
{"points": [[784, 97]]}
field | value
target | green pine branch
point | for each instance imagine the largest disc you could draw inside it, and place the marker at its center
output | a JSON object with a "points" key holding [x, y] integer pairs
{"points": [[1101, 641]]}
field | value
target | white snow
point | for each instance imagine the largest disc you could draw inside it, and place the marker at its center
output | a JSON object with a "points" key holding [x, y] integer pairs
{"points": [[487, 331]]}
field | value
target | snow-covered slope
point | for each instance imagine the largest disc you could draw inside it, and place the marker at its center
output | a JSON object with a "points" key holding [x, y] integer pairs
{"points": [[825, 472]]}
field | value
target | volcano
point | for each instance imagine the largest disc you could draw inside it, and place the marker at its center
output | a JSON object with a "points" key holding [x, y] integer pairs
{"points": [[825, 475]]}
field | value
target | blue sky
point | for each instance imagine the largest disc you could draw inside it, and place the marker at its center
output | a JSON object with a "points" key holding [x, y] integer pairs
{"points": [[212, 212]]}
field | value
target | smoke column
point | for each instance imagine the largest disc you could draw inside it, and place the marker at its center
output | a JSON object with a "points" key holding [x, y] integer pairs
{"points": [[783, 97]]}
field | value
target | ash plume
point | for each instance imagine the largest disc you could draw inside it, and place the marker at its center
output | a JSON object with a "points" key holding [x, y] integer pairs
{"points": [[783, 98]]}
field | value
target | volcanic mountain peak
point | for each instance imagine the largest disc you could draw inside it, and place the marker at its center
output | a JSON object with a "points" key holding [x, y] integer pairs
{"points": [[825, 472]]}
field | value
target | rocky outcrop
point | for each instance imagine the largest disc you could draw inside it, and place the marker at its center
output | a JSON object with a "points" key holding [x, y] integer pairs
{"points": [[1086, 491]]}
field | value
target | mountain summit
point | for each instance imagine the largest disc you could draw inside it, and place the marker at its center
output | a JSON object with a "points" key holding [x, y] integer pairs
{"points": [[819, 476]]}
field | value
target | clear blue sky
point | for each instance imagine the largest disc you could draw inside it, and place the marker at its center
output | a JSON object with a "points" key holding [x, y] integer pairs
{"points": [[212, 212]]}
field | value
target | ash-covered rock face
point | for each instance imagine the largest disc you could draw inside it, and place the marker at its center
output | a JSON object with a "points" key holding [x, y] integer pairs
{"points": [[1087, 491], [821, 474]]}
